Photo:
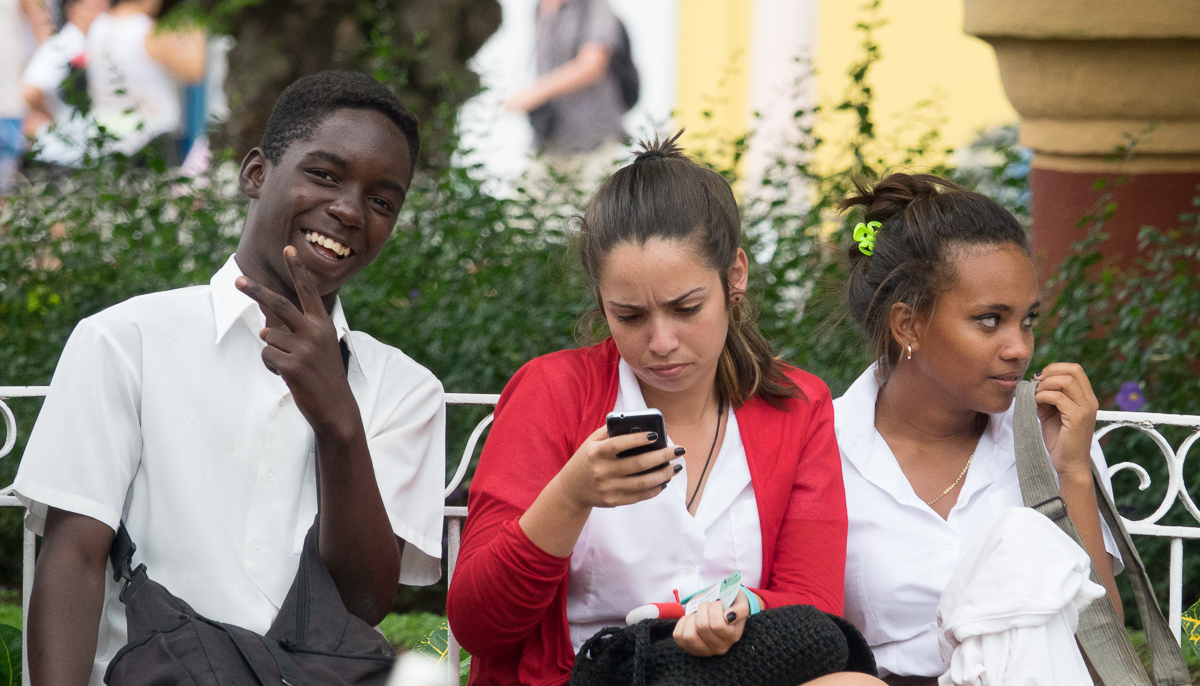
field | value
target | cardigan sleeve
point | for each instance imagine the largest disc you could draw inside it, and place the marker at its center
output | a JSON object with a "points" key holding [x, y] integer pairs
{"points": [[504, 586], [810, 556]]}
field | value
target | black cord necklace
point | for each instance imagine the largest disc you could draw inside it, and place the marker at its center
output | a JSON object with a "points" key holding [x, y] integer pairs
{"points": [[720, 411]]}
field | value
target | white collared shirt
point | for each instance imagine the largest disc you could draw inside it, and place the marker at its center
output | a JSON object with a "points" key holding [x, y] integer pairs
{"points": [[636, 554], [162, 413], [900, 553]]}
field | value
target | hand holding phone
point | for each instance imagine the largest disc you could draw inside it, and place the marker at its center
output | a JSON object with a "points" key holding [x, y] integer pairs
{"points": [[610, 470], [643, 421]]}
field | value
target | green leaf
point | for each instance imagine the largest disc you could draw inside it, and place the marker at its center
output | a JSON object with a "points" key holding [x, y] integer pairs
{"points": [[1191, 625], [435, 644], [10, 655]]}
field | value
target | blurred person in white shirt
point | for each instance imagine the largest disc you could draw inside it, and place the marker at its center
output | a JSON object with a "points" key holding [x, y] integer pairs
{"points": [[56, 125], [135, 69]]}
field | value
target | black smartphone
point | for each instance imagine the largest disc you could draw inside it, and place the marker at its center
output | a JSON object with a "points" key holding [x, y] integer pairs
{"points": [[644, 421]]}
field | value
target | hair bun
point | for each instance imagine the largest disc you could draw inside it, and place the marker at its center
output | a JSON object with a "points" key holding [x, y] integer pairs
{"points": [[660, 148]]}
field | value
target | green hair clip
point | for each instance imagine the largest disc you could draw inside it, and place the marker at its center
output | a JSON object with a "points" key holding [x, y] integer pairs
{"points": [[865, 235]]}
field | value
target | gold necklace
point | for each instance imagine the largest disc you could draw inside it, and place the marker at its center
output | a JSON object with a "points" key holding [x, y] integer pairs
{"points": [[956, 481]]}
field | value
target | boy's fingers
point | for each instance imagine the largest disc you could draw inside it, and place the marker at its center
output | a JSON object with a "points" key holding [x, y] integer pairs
{"points": [[271, 301], [310, 298], [279, 338], [274, 360]]}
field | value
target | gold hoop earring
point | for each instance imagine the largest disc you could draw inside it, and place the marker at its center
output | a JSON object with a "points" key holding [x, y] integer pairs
{"points": [[909, 353]]}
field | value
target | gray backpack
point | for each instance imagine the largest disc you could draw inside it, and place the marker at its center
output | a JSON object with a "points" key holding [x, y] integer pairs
{"points": [[313, 640]]}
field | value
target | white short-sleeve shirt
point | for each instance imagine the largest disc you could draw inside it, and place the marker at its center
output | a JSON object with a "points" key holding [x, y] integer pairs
{"points": [[900, 554], [636, 554], [161, 413]]}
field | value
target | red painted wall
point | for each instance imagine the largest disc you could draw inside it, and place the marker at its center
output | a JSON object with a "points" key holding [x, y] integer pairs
{"points": [[1060, 199]]}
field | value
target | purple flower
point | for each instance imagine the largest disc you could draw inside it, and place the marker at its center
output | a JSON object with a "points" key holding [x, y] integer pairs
{"points": [[1130, 397], [414, 294]]}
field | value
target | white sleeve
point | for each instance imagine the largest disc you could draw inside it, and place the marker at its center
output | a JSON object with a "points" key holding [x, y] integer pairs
{"points": [[1110, 543], [407, 441], [86, 444], [48, 66]]}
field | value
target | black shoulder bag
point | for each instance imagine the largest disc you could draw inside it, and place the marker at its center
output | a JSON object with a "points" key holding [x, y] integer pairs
{"points": [[782, 646], [314, 640], [1101, 633]]}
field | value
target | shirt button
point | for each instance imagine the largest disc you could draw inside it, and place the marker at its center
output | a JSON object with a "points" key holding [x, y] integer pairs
{"points": [[270, 475], [258, 548], [282, 402], [689, 569], [952, 545]]}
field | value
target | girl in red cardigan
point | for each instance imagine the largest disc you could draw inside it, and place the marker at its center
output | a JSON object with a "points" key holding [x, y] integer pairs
{"points": [[564, 538]]}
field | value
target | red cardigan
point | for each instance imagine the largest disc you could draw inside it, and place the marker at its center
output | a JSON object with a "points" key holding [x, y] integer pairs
{"points": [[508, 598]]}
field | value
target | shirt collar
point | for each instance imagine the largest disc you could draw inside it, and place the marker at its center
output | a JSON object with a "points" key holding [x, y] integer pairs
{"points": [[863, 446], [231, 305], [631, 391]]}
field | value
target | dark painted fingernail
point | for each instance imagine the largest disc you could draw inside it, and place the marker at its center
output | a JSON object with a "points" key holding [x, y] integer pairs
{"points": [[663, 487], [652, 437], [730, 617], [677, 468], [680, 451]]}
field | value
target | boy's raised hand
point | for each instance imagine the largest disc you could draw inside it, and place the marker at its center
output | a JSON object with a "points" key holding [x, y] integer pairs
{"points": [[304, 349]]}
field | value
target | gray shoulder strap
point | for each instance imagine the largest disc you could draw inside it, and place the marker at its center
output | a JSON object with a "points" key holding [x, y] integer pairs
{"points": [[1101, 632]]}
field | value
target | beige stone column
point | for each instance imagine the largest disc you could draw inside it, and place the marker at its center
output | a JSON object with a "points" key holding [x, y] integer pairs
{"points": [[1106, 89]]}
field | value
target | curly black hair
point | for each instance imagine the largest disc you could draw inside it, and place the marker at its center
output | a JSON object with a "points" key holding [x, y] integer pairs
{"points": [[309, 101]]}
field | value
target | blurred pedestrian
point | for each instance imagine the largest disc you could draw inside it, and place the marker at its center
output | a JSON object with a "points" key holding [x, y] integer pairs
{"points": [[577, 102], [13, 17], [134, 73], [57, 66]]}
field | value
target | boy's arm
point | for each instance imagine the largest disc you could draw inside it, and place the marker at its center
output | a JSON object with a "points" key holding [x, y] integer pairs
{"points": [[356, 542], [67, 599]]}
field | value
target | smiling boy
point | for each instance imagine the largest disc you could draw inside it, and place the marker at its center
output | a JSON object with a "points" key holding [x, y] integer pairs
{"points": [[209, 418]]}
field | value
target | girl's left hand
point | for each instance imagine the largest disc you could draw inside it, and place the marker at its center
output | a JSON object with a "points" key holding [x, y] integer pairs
{"points": [[1067, 408], [712, 630]]}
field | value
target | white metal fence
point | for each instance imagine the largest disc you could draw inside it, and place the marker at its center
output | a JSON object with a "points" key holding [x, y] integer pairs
{"points": [[1145, 422]]}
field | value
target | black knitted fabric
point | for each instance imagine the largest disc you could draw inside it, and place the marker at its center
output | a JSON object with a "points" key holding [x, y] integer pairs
{"points": [[782, 646]]}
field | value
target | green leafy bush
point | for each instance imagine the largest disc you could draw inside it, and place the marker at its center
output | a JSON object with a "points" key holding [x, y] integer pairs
{"points": [[1137, 324]]}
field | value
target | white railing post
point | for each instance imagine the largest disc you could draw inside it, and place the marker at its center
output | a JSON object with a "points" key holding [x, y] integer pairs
{"points": [[454, 521], [28, 552], [455, 516], [1175, 595]]}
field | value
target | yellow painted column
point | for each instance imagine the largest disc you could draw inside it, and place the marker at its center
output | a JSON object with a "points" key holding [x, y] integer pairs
{"points": [[714, 71]]}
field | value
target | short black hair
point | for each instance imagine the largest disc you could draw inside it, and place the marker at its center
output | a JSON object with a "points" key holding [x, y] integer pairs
{"points": [[308, 102]]}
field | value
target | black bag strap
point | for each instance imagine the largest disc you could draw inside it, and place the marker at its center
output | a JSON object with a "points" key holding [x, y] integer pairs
{"points": [[1101, 632], [121, 556]]}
